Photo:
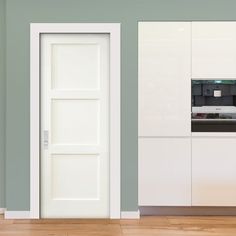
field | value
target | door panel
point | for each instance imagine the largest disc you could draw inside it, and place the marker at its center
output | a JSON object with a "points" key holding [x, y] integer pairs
{"points": [[164, 171], [82, 168], [74, 118], [214, 50], [164, 79], [75, 121], [66, 59], [213, 171]]}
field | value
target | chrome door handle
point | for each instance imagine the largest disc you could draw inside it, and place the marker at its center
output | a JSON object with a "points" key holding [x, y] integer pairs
{"points": [[45, 139]]}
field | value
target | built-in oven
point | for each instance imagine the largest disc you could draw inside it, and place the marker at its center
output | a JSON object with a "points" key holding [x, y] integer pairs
{"points": [[214, 105]]}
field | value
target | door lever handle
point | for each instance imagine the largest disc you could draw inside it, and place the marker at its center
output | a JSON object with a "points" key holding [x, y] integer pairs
{"points": [[45, 139]]}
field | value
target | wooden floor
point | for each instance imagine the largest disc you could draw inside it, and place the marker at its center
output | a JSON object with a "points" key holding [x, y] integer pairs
{"points": [[146, 226]]}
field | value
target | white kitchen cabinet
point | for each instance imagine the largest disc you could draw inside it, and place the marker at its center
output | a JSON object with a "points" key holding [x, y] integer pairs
{"points": [[214, 50], [164, 171], [177, 168], [213, 171], [165, 79]]}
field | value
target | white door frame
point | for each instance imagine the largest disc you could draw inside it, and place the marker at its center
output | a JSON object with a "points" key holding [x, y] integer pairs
{"points": [[114, 108]]}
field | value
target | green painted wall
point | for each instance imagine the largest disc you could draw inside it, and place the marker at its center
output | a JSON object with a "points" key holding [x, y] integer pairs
{"points": [[20, 13], [2, 103]]}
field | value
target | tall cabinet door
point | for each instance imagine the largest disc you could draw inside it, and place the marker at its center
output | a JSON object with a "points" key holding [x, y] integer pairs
{"points": [[164, 79], [214, 50], [164, 113]]}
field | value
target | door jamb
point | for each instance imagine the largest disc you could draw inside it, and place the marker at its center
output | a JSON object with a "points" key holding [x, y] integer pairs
{"points": [[36, 29]]}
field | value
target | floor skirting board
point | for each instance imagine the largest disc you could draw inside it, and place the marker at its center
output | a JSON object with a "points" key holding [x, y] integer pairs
{"points": [[2, 210], [187, 211], [17, 215], [26, 215], [130, 214]]}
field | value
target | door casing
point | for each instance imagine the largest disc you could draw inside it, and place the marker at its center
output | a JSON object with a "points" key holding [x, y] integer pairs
{"points": [[113, 29]]}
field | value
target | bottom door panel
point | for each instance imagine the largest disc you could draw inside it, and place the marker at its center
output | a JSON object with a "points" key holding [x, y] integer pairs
{"points": [[164, 171], [213, 171]]}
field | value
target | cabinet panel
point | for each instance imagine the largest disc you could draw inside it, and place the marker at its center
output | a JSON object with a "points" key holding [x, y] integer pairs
{"points": [[214, 50], [164, 171], [164, 79], [213, 171]]}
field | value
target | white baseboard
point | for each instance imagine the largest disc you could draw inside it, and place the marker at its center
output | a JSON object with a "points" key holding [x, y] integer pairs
{"points": [[26, 214], [130, 214], [17, 215], [2, 210]]}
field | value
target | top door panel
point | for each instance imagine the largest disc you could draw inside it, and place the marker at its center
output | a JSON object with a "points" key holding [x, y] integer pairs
{"points": [[214, 50], [164, 78]]}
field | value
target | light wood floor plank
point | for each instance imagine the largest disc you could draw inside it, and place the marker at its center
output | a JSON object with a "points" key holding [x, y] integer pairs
{"points": [[146, 226]]}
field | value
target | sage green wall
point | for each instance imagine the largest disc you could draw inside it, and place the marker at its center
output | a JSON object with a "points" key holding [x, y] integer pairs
{"points": [[20, 13], [2, 103]]}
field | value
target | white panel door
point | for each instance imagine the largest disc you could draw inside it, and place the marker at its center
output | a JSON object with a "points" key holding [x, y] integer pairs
{"points": [[213, 171], [75, 125], [164, 79], [214, 50], [164, 172]]}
